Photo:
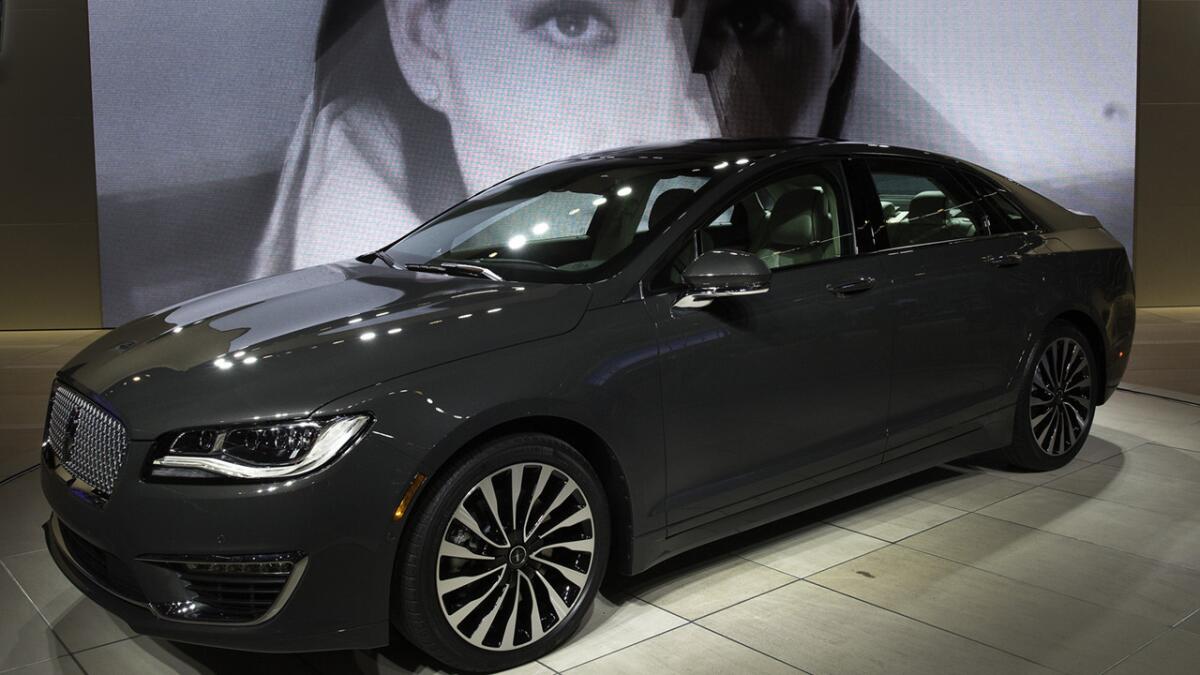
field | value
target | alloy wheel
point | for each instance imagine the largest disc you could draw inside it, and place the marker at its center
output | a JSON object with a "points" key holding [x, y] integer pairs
{"points": [[515, 557], [1060, 402]]}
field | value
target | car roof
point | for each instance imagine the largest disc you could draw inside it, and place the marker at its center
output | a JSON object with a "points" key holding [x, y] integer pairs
{"points": [[718, 149]]}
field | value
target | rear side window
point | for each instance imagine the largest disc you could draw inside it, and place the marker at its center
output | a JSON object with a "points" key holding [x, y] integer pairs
{"points": [[1003, 214], [922, 204]]}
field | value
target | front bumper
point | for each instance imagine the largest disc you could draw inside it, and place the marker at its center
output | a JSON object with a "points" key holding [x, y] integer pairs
{"points": [[337, 522]]}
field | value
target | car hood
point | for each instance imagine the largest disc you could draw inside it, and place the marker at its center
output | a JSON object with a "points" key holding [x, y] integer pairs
{"points": [[279, 348]]}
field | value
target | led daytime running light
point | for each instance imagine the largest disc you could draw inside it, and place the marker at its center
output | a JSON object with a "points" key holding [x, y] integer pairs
{"points": [[330, 441]]}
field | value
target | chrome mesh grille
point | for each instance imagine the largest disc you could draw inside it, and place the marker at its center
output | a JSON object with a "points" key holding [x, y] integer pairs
{"points": [[86, 439]]}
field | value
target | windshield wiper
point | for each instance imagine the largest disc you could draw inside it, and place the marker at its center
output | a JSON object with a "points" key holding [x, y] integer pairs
{"points": [[458, 269], [378, 255]]}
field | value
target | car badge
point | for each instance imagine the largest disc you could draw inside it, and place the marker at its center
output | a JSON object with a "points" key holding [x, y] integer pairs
{"points": [[68, 438]]}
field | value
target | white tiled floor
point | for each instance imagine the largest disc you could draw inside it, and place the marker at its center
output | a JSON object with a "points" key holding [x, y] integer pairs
{"points": [[964, 568]]}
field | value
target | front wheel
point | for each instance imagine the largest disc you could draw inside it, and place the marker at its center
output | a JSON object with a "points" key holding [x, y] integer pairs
{"points": [[504, 557], [1054, 413]]}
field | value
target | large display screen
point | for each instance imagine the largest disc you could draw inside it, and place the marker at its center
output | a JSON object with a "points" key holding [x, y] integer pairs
{"points": [[238, 139]]}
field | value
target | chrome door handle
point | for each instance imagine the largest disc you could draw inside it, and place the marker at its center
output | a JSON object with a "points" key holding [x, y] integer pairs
{"points": [[1004, 259], [852, 286]]}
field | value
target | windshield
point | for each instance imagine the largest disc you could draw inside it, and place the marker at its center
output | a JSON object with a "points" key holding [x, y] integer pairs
{"points": [[564, 223]]}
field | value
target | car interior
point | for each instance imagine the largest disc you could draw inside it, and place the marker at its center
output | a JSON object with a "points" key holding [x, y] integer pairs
{"points": [[918, 209], [792, 222]]}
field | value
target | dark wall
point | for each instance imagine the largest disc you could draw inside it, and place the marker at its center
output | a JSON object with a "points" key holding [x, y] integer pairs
{"points": [[49, 255], [1166, 245]]}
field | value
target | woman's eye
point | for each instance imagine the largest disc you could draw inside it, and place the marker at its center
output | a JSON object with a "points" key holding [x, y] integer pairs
{"points": [[750, 22], [575, 28]]}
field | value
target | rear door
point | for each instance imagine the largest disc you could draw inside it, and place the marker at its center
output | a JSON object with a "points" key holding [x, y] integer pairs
{"points": [[961, 297]]}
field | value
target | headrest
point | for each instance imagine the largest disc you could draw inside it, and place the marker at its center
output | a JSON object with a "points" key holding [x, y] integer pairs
{"points": [[927, 204], [794, 219], [667, 204], [889, 210]]}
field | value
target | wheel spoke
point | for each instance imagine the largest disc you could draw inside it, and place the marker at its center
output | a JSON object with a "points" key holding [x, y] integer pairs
{"points": [[454, 583], [463, 516], [485, 624], [510, 626], [563, 492], [452, 550], [579, 545], [462, 612], [556, 601], [574, 576], [489, 496], [542, 479], [515, 474], [573, 519], [535, 618]]}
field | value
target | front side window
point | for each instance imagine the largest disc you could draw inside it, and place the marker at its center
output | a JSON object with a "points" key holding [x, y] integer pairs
{"points": [[560, 223], [790, 221], [922, 204]]}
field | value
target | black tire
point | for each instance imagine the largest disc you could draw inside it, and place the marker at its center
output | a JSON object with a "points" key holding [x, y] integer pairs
{"points": [[1057, 403], [436, 534]]}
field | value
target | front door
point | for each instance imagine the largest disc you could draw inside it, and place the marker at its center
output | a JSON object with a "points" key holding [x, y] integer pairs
{"points": [[766, 395]]}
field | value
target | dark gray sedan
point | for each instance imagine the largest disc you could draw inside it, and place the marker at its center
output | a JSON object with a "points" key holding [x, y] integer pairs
{"points": [[592, 366]]}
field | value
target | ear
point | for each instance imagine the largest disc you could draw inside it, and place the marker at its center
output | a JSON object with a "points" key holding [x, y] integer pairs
{"points": [[420, 45]]}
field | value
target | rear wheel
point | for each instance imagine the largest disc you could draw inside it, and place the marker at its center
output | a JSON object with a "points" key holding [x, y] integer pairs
{"points": [[1055, 411], [500, 565]]}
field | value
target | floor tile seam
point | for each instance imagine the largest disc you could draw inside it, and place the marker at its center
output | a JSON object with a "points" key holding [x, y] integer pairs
{"points": [[1139, 556], [1026, 582], [934, 626], [1173, 516], [1135, 652]]}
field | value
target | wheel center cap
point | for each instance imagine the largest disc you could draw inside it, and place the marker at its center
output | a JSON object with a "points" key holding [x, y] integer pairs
{"points": [[518, 556]]}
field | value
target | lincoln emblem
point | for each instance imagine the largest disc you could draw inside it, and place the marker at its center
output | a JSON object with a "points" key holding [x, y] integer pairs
{"points": [[68, 438]]}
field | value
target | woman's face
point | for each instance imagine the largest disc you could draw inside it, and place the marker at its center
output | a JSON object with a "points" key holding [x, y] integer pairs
{"points": [[523, 82]]}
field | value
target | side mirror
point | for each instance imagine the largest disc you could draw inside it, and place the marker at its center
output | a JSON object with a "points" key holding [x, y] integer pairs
{"points": [[723, 274]]}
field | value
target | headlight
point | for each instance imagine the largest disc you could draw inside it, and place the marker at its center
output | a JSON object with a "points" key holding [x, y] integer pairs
{"points": [[261, 452]]}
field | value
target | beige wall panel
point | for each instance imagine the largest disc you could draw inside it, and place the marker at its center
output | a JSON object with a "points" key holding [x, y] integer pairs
{"points": [[1170, 51], [1167, 228], [49, 253], [49, 277]]}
